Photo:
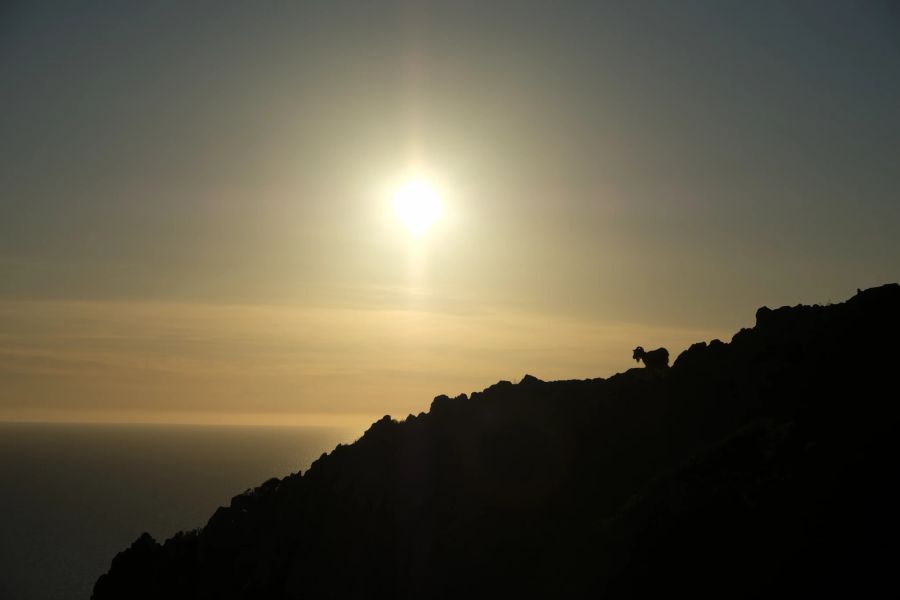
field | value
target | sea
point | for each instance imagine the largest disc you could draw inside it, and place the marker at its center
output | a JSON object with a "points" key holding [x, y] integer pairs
{"points": [[73, 495]]}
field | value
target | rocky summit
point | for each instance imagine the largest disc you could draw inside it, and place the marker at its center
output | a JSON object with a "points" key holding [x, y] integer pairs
{"points": [[763, 466]]}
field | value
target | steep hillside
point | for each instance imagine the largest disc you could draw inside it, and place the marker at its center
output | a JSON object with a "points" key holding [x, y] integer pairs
{"points": [[761, 466]]}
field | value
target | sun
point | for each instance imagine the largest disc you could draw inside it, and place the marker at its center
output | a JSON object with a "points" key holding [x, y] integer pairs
{"points": [[417, 206]]}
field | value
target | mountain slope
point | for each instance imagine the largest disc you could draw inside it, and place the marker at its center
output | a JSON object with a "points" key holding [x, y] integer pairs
{"points": [[757, 466]]}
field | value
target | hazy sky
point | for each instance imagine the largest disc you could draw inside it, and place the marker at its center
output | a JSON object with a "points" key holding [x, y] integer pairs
{"points": [[195, 197]]}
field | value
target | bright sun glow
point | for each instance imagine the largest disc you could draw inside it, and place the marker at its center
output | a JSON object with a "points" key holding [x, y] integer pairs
{"points": [[417, 206]]}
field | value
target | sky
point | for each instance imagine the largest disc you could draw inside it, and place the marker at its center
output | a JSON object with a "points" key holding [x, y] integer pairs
{"points": [[196, 219]]}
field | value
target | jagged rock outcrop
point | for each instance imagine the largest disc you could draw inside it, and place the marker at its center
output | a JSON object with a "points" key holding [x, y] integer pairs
{"points": [[764, 466]]}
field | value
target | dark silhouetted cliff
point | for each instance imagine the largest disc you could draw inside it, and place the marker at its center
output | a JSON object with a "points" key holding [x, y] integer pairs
{"points": [[761, 467]]}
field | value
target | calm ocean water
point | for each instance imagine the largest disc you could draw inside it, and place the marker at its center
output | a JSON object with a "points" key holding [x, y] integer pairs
{"points": [[71, 496]]}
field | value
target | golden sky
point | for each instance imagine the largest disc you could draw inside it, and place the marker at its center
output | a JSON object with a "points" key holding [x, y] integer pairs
{"points": [[151, 361], [197, 206]]}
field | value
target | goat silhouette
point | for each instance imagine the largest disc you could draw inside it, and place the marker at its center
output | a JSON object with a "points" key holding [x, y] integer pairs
{"points": [[655, 359]]}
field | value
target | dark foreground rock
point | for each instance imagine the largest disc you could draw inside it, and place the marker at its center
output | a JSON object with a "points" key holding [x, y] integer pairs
{"points": [[766, 466]]}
